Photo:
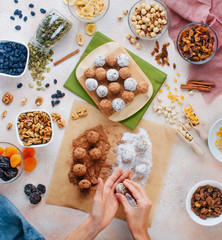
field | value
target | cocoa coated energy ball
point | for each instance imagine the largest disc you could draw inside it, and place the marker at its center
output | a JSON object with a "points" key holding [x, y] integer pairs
{"points": [[128, 96], [142, 87], [79, 153], [92, 136], [79, 170], [95, 153], [124, 73], [111, 60], [89, 73], [100, 73], [84, 184], [114, 87], [105, 105]]}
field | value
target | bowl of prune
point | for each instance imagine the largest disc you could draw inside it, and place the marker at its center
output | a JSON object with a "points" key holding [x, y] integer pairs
{"points": [[14, 57], [11, 162], [204, 203], [197, 43]]}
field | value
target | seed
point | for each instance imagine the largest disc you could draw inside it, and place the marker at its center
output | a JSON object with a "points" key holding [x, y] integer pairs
{"points": [[31, 5], [39, 83], [16, 1], [12, 18], [55, 81], [43, 88], [32, 13], [31, 85], [42, 10], [53, 103], [25, 18], [19, 85], [57, 102], [47, 85], [38, 89]]}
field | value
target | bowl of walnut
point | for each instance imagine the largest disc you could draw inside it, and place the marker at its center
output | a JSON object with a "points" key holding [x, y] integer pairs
{"points": [[148, 19], [197, 43], [34, 128], [204, 203]]}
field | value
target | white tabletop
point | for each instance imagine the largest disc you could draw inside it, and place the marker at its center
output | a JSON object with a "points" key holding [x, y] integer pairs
{"points": [[171, 220]]}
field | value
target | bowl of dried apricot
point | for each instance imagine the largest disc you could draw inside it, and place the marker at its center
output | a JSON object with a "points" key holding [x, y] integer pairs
{"points": [[11, 162], [204, 203], [197, 43]]}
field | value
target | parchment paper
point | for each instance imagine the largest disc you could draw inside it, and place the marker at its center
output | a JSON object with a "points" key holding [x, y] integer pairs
{"points": [[62, 192]]}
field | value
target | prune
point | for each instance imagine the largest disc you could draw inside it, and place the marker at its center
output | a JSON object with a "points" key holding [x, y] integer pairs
{"points": [[41, 189], [1, 173], [4, 162], [29, 189], [35, 198], [10, 173]]}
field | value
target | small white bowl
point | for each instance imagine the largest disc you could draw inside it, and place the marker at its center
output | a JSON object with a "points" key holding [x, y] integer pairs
{"points": [[34, 145], [212, 139], [27, 60], [195, 218]]}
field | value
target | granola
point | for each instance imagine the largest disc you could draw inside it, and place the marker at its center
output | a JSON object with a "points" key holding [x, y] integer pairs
{"points": [[7, 98]]}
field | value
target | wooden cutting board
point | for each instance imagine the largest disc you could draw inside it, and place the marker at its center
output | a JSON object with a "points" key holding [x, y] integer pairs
{"points": [[113, 48]]}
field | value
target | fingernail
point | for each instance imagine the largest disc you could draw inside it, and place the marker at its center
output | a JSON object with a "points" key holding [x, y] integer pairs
{"points": [[99, 180]]}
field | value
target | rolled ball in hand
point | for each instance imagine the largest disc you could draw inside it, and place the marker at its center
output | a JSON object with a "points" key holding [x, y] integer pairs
{"points": [[92, 136], [124, 73], [128, 96], [120, 188], [95, 153], [130, 84], [105, 105], [111, 60], [102, 91], [112, 75], [79, 170], [91, 84], [89, 73], [142, 87], [123, 60], [99, 61], [118, 104], [100, 74], [114, 87], [84, 184], [79, 153]]}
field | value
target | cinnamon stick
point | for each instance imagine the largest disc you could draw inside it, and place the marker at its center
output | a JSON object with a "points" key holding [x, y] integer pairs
{"points": [[212, 84], [195, 87], [66, 57]]}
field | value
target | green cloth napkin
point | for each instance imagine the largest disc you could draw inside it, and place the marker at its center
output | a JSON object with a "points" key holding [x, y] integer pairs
{"points": [[155, 76]]}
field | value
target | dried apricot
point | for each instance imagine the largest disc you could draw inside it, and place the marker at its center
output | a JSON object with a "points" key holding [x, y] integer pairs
{"points": [[28, 152], [30, 164], [1, 151], [9, 151], [15, 160]]}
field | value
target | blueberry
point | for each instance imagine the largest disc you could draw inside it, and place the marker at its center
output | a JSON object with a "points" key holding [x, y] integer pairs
{"points": [[53, 103], [17, 27], [12, 18], [55, 81], [54, 95], [19, 85], [32, 13], [16, 1], [25, 18], [42, 10], [47, 85], [31, 5], [57, 102]]}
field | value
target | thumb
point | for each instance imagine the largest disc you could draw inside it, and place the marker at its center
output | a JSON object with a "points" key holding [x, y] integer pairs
{"points": [[122, 199], [99, 189]]}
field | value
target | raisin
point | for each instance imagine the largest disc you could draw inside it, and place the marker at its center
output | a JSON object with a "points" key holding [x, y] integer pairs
{"points": [[29, 189], [35, 198], [41, 189]]}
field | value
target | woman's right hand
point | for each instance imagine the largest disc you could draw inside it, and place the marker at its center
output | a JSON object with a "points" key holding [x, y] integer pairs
{"points": [[136, 216]]}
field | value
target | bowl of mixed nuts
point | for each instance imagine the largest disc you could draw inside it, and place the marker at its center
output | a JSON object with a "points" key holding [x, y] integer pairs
{"points": [[197, 43], [148, 19], [204, 203], [34, 128]]}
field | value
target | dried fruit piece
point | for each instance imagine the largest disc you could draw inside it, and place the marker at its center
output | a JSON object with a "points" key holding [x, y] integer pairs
{"points": [[41, 189], [90, 28], [1, 151], [35, 198], [9, 151], [30, 164], [28, 152], [29, 189], [80, 39], [15, 160]]}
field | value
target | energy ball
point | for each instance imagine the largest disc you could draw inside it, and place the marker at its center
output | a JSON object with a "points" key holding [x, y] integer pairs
{"points": [[114, 87], [95, 153], [91, 84], [124, 73], [112, 75], [102, 91], [142, 87], [141, 146], [130, 84], [111, 60], [100, 73], [106, 105], [99, 61], [118, 104], [120, 188], [79, 170], [79, 153], [92, 136], [141, 169], [123, 60], [128, 96], [128, 156], [84, 184], [89, 73]]}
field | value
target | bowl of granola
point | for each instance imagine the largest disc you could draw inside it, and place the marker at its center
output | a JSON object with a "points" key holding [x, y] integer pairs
{"points": [[197, 43], [34, 128], [204, 203]]}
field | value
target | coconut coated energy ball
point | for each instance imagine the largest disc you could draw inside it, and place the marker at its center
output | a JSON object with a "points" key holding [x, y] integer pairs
{"points": [[123, 60], [79, 170], [130, 84], [91, 84], [118, 104], [102, 91], [99, 61], [112, 75]]}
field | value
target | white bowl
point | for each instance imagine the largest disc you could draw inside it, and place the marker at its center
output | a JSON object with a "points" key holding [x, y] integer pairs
{"points": [[27, 60], [212, 139], [36, 145], [195, 218]]}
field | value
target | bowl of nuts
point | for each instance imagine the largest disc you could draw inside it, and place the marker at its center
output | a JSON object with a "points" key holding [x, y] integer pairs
{"points": [[88, 11], [148, 19], [197, 43], [34, 128], [11, 162], [204, 203]]}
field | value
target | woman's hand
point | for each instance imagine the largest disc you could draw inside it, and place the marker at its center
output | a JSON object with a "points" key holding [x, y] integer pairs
{"points": [[136, 216]]}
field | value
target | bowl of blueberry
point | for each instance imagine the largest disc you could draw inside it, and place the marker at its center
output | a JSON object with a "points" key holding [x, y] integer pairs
{"points": [[14, 58], [11, 162]]}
